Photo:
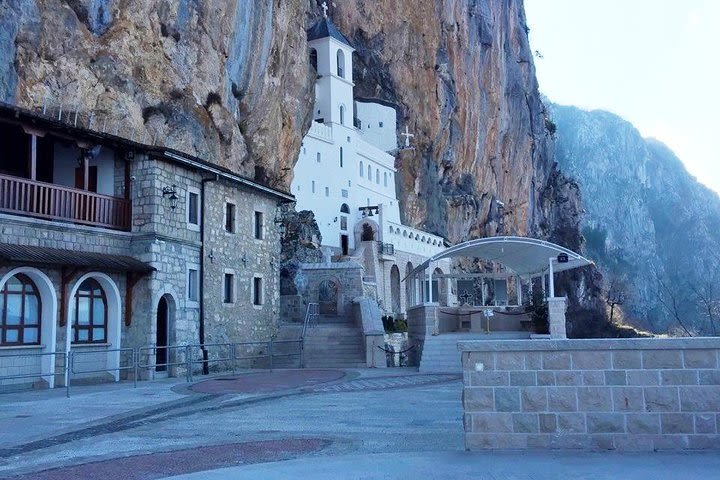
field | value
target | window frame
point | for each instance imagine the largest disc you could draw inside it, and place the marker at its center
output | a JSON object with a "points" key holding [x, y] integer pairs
{"points": [[90, 326], [194, 302], [257, 294], [198, 211], [20, 327], [231, 216], [259, 227], [227, 300]]}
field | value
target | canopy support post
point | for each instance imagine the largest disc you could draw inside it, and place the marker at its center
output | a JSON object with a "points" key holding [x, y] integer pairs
{"points": [[552, 278], [430, 285]]}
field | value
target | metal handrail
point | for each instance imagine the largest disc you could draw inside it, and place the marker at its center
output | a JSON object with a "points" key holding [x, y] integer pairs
{"points": [[73, 354], [141, 357], [311, 313]]}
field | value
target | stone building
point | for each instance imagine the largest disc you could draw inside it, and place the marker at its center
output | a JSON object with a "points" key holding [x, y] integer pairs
{"points": [[108, 244], [345, 174]]}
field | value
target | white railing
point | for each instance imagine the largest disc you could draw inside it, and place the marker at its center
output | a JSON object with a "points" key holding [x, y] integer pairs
{"points": [[320, 131], [412, 240]]}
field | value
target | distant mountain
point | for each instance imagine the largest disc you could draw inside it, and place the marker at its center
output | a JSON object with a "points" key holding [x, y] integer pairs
{"points": [[651, 227]]}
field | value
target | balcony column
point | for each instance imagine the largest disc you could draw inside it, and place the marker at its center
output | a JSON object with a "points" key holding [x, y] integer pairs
{"points": [[86, 172], [33, 156]]}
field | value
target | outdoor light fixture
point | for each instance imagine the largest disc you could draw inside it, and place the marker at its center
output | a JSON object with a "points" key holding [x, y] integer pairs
{"points": [[171, 192]]}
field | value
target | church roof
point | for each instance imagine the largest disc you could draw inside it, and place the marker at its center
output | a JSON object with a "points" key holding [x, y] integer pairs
{"points": [[326, 28]]}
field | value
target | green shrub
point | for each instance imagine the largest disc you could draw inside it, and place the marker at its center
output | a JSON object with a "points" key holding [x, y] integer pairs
{"points": [[538, 311], [400, 326]]}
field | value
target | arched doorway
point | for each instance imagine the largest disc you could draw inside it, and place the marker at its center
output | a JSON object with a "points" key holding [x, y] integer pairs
{"points": [[161, 335], [328, 293], [395, 288]]}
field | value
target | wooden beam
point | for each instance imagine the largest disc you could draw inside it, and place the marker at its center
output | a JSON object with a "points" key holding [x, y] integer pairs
{"points": [[131, 280], [66, 274]]}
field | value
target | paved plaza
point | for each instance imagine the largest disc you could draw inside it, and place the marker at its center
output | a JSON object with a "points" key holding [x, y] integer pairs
{"points": [[360, 423]]}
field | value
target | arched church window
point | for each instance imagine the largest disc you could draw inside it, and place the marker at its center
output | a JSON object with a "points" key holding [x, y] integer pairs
{"points": [[342, 115], [362, 169], [344, 208], [341, 157], [340, 63], [369, 173], [313, 58], [20, 322], [377, 176], [385, 179], [90, 322]]}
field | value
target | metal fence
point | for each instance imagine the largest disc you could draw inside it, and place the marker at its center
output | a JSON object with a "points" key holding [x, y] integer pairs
{"points": [[223, 357]]}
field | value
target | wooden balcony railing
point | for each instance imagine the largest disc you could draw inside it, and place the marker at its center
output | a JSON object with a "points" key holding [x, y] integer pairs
{"points": [[46, 200]]}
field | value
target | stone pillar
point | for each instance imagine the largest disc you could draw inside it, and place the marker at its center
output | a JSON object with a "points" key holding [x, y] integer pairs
{"points": [[556, 316]]}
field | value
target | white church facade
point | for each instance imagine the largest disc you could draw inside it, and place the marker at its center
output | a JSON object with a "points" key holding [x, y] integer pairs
{"points": [[345, 174]]}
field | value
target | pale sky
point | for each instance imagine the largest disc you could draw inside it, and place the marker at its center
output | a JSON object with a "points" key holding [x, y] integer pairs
{"points": [[656, 63]]}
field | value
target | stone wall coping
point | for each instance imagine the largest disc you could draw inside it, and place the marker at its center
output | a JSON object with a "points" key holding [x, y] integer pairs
{"points": [[589, 344], [330, 266]]}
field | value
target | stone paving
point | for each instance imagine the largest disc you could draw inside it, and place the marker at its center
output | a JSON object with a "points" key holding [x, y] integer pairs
{"points": [[365, 423]]}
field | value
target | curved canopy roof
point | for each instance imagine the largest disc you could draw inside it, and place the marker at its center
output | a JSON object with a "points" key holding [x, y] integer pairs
{"points": [[523, 255]]}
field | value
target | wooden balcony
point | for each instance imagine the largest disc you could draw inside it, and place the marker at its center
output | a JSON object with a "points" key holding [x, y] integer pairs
{"points": [[53, 202]]}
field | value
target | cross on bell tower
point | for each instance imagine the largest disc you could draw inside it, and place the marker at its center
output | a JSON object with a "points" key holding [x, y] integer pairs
{"points": [[324, 6]]}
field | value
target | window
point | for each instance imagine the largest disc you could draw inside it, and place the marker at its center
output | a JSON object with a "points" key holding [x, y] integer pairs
{"points": [[340, 63], [259, 225], [257, 291], [344, 208], [342, 115], [193, 208], [312, 186], [343, 222], [385, 179], [362, 169], [20, 303], [229, 288], [327, 191], [313, 58], [230, 218], [193, 292], [369, 173], [90, 322], [380, 124], [317, 157], [341, 157], [377, 176], [344, 193]]}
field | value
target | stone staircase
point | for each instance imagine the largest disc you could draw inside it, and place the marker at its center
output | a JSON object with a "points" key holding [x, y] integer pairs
{"points": [[440, 353], [334, 342]]}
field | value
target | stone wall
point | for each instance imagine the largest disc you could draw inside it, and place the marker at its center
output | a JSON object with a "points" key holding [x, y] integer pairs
{"points": [[625, 394], [242, 255], [348, 276]]}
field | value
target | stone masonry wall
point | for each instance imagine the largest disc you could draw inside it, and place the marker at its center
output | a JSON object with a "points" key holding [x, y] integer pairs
{"points": [[625, 394], [245, 257]]}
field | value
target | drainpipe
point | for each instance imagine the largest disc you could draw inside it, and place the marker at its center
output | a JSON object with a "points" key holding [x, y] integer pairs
{"points": [[206, 370]]}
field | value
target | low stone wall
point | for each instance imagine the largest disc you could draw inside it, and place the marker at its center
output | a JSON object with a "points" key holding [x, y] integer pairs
{"points": [[625, 394], [420, 320]]}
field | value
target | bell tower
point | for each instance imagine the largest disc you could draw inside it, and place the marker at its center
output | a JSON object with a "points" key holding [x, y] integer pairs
{"points": [[331, 54]]}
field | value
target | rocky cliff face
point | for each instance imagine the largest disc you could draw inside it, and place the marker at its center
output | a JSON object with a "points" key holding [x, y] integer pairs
{"points": [[231, 82], [176, 72], [651, 227]]}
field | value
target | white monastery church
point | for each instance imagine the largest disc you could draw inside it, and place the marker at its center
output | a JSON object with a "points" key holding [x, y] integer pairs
{"points": [[345, 174]]}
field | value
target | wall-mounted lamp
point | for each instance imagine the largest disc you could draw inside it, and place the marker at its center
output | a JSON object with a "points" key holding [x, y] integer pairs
{"points": [[171, 193]]}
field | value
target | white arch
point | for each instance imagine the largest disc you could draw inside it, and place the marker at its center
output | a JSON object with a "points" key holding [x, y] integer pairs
{"points": [[48, 316], [114, 318]]}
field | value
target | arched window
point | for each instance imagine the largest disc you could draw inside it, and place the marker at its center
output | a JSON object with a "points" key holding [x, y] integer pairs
{"points": [[340, 63], [344, 208], [313, 58], [377, 176], [20, 322], [342, 115], [369, 173], [90, 322], [317, 157], [362, 169], [341, 157], [385, 179]]}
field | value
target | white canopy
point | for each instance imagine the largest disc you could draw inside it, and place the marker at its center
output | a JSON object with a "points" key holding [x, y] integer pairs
{"points": [[526, 257]]}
